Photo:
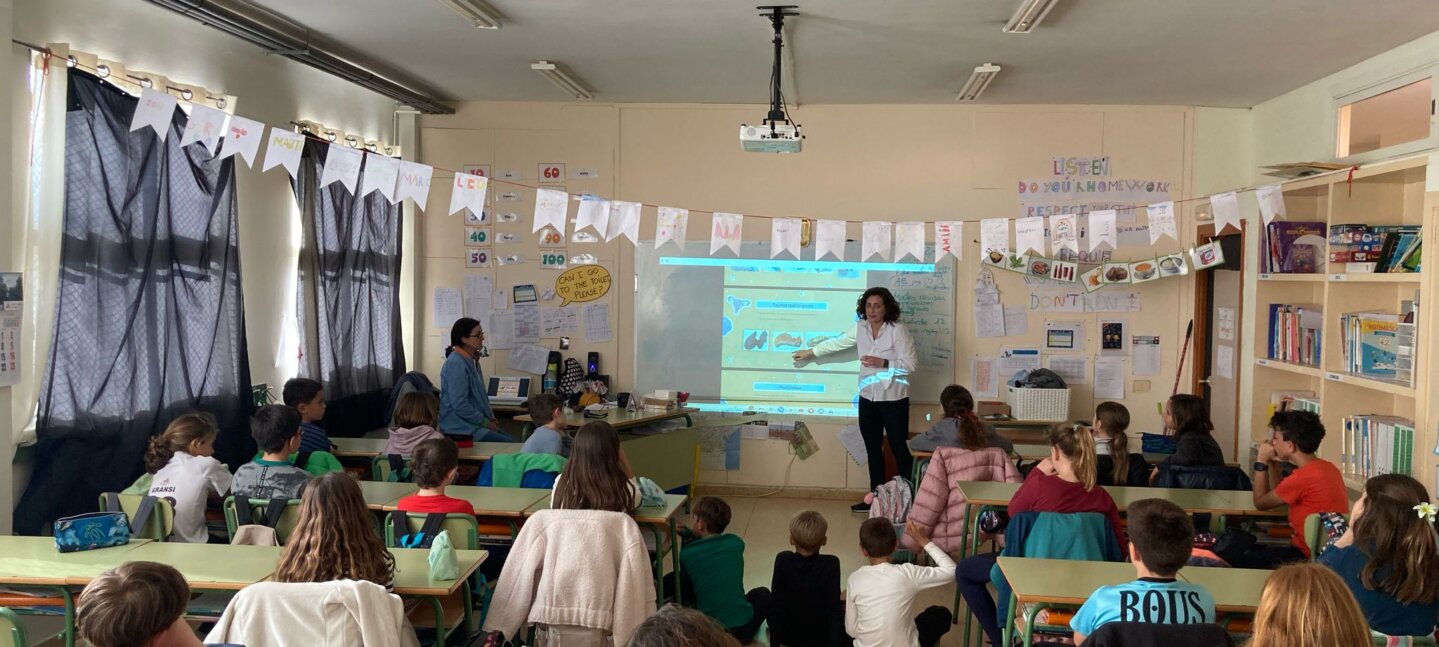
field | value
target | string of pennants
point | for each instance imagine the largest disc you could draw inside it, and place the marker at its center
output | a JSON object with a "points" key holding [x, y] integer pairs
{"points": [[363, 172]]}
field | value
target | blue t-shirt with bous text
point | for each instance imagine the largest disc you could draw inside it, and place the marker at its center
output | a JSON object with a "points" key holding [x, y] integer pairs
{"points": [[1151, 600]]}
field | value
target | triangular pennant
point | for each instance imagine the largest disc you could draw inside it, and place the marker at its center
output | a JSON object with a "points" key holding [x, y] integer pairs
{"points": [[726, 231], [154, 110], [909, 241], [875, 241], [342, 164], [1102, 230], [949, 239], [994, 236], [1029, 235], [468, 192], [1161, 222], [829, 239], [1226, 212], [593, 213], [624, 220], [284, 150], [550, 208], [670, 226], [382, 173], [414, 183], [1271, 202], [206, 125], [1063, 233], [243, 137], [785, 236]]}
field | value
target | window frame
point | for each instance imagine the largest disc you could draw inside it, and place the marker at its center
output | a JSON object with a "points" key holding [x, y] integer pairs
{"points": [[1342, 97]]}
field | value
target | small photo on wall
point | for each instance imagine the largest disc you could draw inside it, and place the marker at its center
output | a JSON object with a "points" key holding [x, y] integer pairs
{"points": [[1115, 273], [1141, 271], [1173, 265], [1093, 279], [1063, 270], [1206, 256]]}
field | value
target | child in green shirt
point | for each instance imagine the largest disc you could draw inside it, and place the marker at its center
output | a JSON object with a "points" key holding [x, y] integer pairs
{"points": [[713, 567]]}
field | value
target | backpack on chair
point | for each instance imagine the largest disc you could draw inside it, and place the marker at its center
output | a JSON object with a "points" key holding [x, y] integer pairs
{"points": [[250, 533], [434, 522]]}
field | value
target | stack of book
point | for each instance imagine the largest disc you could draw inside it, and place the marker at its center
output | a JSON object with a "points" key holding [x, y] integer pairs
{"points": [[1294, 333], [1375, 445], [1300, 403], [658, 402], [1379, 249], [1284, 401], [1293, 247], [1371, 344]]}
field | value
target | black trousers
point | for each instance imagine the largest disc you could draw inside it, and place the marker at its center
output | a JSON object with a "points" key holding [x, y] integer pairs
{"points": [[878, 419], [932, 624]]}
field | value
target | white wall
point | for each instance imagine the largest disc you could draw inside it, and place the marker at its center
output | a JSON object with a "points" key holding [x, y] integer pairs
{"points": [[8, 260]]}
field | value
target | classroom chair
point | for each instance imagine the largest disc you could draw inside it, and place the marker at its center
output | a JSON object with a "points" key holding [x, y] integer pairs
{"points": [[314, 613], [464, 532], [157, 524], [1315, 535], [11, 629], [1049, 535], [1380, 640], [258, 508], [390, 467], [1144, 634]]}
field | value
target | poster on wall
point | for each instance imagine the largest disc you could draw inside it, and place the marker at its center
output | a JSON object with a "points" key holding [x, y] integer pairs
{"points": [[12, 296]]}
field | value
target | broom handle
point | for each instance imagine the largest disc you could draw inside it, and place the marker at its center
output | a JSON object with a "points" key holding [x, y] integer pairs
{"points": [[1183, 353]]}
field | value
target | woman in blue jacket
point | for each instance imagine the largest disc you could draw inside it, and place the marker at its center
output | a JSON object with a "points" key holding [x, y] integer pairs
{"points": [[464, 401]]}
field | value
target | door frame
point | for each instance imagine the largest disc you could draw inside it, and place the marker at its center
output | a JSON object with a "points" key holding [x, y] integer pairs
{"points": [[1203, 324]]}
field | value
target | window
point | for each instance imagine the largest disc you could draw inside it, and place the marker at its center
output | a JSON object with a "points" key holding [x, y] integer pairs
{"points": [[1387, 119]]}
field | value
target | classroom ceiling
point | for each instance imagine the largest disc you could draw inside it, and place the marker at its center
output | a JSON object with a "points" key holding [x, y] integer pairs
{"points": [[1231, 53]]}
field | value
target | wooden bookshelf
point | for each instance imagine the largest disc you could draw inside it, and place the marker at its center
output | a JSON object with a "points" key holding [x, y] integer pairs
{"points": [[1386, 193]]}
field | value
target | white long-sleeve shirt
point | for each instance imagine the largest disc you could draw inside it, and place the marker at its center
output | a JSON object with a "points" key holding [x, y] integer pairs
{"points": [[893, 343], [879, 604]]}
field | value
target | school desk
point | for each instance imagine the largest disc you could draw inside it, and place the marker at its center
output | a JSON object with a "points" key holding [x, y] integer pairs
{"points": [[506, 505], [371, 447], [379, 494], [1041, 452], [34, 562], [620, 418], [449, 600], [670, 459], [658, 519], [1039, 584]]}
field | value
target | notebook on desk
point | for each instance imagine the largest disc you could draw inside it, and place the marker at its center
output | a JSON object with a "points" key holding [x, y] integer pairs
{"points": [[509, 390]]}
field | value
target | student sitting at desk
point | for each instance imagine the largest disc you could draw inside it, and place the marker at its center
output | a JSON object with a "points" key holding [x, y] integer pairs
{"points": [[598, 475], [136, 604], [276, 429], [335, 538], [1116, 465], [434, 466], [308, 397], [959, 422], [1160, 537], [186, 472], [416, 415], [1307, 605], [1314, 486], [1187, 417], [547, 412]]}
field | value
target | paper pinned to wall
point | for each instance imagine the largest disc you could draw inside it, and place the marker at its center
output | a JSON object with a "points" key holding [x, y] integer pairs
{"points": [[1073, 368], [853, 443], [1012, 360], [1064, 335], [1224, 361], [1113, 337], [1146, 354], [1109, 378], [1016, 321], [559, 321], [479, 296], [529, 358], [989, 320], [448, 307], [527, 322], [597, 322], [982, 378], [719, 448], [1224, 318], [501, 333]]}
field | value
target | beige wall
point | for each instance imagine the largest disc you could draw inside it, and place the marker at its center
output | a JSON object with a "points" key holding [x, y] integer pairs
{"points": [[920, 163]]}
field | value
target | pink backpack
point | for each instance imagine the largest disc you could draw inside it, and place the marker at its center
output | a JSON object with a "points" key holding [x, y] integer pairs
{"points": [[892, 501]]}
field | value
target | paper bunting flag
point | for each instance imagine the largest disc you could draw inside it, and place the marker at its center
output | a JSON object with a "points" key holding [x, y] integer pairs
{"points": [[284, 150], [875, 241], [829, 239], [949, 239], [1161, 221], [1029, 235], [1102, 230], [414, 183], [909, 241], [468, 192], [624, 220], [154, 110], [550, 208], [243, 137], [1271, 202], [342, 164], [670, 226], [1063, 233], [994, 236], [382, 172], [1226, 212], [784, 236], [594, 213], [727, 228], [206, 125]]}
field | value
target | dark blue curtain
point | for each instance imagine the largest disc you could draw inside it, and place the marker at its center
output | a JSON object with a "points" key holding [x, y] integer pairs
{"points": [[149, 319]]}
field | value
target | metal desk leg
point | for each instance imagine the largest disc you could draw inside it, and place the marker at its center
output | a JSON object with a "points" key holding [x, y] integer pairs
{"points": [[675, 558], [439, 609], [659, 566], [1009, 618], [962, 553], [468, 617]]}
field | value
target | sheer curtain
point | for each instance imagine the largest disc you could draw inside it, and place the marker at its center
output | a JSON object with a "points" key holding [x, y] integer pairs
{"points": [[149, 316], [348, 303]]}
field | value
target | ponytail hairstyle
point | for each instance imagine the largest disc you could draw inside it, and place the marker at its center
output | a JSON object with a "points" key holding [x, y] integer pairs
{"points": [[1191, 414], [177, 437], [1115, 419], [1076, 442], [959, 404], [458, 332], [1400, 544]]}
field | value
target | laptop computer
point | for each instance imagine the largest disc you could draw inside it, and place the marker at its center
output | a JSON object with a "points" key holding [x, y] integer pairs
{"points": [[509, 390]]}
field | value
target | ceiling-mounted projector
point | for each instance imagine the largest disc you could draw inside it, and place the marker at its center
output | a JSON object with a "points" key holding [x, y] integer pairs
{"points": [[776, 134]]}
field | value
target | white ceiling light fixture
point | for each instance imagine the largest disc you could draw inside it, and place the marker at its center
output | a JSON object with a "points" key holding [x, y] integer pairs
{"points": [[977, 82], [563, 80], [482, 15], [1028, 17]]}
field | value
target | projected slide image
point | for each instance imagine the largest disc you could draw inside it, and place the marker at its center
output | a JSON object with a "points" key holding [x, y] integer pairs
{"points": [[796, 277], [773, 324], [803, 389]]}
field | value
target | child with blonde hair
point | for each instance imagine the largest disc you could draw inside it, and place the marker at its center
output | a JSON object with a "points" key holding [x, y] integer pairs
{"points": [[1307, 605], [805, 609], [186, 472]]}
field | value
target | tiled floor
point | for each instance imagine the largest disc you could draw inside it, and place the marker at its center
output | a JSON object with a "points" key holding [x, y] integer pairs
{"points": [[763, 523]]}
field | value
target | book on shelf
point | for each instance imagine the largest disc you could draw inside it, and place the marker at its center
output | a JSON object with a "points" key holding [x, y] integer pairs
{"points": [[1376, 444], [1371, 341], [1295, 333], [1281, 400], [1380, 249], [1404, 339], [1294, 247], [1300, 403]]}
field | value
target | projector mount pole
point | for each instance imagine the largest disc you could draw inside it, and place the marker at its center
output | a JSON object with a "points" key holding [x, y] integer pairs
{"points": [[776, 15]]}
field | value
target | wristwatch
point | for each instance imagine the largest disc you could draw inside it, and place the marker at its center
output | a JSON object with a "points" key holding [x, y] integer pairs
{"points": [[1260, 466], [886, 363]]}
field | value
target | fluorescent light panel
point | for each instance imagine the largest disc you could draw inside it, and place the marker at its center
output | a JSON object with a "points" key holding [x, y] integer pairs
{"points": [[557, 76], [1028, 17], [482, 15], [977, 82]]}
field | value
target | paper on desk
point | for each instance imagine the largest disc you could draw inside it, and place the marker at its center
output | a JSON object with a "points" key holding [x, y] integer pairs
{"points": [[529, 358], [448, 307], [501, 333], [1109, 378], [853, 443]]}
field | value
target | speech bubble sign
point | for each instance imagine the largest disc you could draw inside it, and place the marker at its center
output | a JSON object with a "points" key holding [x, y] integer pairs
{"points": [[583, 283]]}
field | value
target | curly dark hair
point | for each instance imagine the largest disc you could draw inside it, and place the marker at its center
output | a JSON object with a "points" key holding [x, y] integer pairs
{"points": [[891, 307]]}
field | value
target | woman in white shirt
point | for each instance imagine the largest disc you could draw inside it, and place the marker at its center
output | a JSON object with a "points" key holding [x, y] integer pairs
{"points": [[886, 358]]}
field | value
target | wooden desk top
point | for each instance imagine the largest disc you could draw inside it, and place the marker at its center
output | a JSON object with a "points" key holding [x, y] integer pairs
{"points": [[1040, 452], [485, 451], [1212, 501], [1235, 590], [359, 447], [495, 501], [655, 515], [379, 494], [212, 567], [622, 419], [412, 571], [34, 560]]}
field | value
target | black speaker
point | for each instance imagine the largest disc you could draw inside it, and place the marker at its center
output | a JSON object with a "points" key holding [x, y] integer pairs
{"points": [[594, 364]]}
